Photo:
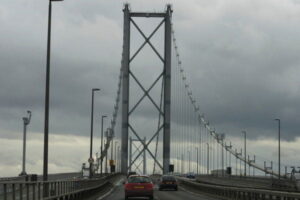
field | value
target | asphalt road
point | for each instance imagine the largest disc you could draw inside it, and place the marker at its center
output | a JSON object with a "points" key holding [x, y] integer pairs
{"points": [[181, 194]]}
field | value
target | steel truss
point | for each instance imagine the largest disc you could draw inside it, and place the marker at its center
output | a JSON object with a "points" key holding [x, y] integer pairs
{"points": [[137, 146], [165, 75]]}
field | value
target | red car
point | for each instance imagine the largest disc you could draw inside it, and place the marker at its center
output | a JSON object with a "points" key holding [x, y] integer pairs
{"points": [[138, 186]]}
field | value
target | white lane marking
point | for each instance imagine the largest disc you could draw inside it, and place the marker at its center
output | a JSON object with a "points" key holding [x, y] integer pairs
{"points": [[105, 195], [190, 192], [110, 191], [156, 197], [196, 194]]}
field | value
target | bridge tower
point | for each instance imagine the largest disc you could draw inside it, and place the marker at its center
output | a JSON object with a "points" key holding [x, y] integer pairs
{"points": [[165, 75]]}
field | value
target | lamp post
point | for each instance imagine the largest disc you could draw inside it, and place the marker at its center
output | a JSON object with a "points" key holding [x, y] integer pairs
{"points": [[241, 162], [106, 169], [278, 147], [245, 152], [101, 150], [178, 164], [182, 164], [236, 162], [118, 163], [92, 126], [189, 162], [116, 142], [26, 121], [112, 149], [197, 149], [47, 95], [220, 140], [207, 158], [236, 168], [97, 165], [222, 146]]}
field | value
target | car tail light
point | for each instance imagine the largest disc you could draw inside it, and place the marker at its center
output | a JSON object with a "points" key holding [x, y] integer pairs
{"points": [[149, 186], [128, 186]]}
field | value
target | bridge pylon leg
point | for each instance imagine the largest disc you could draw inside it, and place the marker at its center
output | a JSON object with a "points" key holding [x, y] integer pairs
{"points": [[125, 92], [167, 92], [128, 74]]}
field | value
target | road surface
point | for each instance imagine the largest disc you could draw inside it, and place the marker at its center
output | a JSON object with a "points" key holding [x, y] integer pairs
{"points": [[181, 194]]}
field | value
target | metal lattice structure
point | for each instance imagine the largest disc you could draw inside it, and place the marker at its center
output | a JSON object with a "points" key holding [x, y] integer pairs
{"points": [[192, 132], [165, 75], [135, 147]]}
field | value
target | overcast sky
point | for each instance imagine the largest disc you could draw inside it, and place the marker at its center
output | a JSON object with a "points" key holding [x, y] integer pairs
{"points": [[240, 56]]}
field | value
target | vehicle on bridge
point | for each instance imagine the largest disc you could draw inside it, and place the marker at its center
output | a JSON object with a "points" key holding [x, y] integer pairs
{"points": [[220, 172], [138, 186], [190, 175], [131, 173], [168, 182]]}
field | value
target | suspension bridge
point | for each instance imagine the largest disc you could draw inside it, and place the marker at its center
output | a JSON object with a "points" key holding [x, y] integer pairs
{"points": [[178, 139]]}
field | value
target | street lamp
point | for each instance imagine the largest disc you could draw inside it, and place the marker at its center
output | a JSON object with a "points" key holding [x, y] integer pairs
{"points": [[207, 158], [116, 142], [92, 123], [96, 166], [182, 164], [26, 121], [106, 134], [221, 138], [178, 164], [278, 147], [189, 162], [197, 160], [47, 95], [245, 151], [101, 150], [118, 163]]}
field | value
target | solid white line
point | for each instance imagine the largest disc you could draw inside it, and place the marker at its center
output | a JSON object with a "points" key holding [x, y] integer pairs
{"points": [[106, 194], [190, 192], [199, 195], [156, 198]]}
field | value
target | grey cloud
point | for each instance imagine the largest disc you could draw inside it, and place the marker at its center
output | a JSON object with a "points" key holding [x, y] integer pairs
{"points": [[241, 59], [241, 68]]}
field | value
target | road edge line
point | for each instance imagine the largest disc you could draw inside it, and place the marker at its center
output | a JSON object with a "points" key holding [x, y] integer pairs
{"points": [[202, 194], [110, 191]]}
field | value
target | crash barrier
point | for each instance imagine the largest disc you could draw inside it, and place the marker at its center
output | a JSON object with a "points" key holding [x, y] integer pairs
{"points": [[53, 190], [253, 182], [28, 177], [240, 193]]}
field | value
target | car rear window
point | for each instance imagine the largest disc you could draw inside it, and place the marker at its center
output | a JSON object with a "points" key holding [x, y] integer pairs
{"points": [[139, 179], [168, 178]]}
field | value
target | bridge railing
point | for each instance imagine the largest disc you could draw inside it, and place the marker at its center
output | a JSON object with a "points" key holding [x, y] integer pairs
{"points": [[253, 182], [57, 176], [241, 193], [33, 190]]}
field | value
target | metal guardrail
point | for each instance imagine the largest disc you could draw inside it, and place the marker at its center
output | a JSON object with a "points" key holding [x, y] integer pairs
{"points": [[18, 178], [253, 182], [57, 176], [74, 189], [241, 193]]}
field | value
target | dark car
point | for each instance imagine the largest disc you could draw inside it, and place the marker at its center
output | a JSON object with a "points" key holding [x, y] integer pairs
{"points": [[131, 173], [138, 186], [168, 182], [191, 175]]}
